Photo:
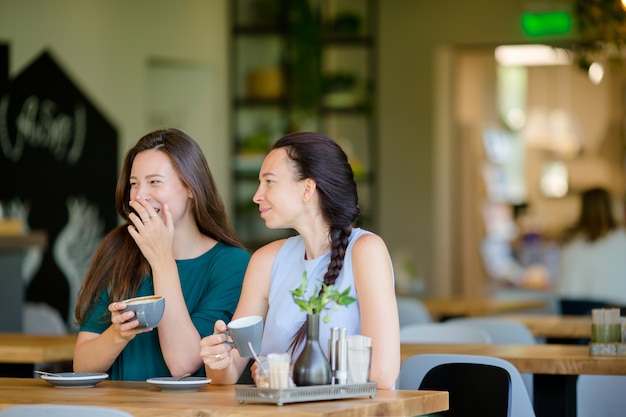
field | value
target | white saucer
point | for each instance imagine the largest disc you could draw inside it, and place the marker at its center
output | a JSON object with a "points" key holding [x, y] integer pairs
{"points": [[75, 379], [168, 383]]}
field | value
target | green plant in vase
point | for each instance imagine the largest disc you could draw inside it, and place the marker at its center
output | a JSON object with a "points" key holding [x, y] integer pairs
{"points": [[317, 303], [312, 366]]}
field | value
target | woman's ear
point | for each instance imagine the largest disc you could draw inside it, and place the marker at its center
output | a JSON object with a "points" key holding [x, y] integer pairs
{"points": [[308, 189]]}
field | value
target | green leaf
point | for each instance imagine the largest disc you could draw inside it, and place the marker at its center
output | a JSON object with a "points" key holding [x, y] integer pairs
{"points": [[319, 302]]}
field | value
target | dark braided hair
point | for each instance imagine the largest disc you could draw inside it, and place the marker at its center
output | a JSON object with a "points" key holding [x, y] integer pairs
{"points": [[319, 158]]}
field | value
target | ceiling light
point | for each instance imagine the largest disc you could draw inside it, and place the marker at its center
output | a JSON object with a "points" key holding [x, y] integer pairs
{"points": [[532, 55], [596, 73]]}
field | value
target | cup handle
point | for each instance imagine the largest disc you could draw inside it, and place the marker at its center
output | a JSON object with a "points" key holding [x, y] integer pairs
{"points": [[229, 343]]}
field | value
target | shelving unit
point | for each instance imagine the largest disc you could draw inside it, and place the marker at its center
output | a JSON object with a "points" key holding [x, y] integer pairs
{"points": [[263, 104]]}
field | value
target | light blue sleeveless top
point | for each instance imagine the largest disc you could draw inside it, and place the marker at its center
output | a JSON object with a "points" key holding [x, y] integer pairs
{"points": [[284, 317]]}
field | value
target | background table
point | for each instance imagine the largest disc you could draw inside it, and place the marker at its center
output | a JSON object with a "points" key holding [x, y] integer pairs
{"points": [[20, 352], [31, 348], [555, 326], [143, 400], [442, 308]]}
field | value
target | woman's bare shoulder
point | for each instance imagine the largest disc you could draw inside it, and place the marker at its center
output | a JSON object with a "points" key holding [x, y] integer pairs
{"points": [[368, 242], [267, 252]]}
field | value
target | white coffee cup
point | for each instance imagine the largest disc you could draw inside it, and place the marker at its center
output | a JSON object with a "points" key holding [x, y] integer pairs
{"points": [[244, 330]]}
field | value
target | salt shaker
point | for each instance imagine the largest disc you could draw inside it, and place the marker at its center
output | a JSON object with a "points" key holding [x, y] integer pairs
{"points": [[332, 353]]}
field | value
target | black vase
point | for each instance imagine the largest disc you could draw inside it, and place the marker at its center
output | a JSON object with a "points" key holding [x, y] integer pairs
{"points": [[312, 366]]}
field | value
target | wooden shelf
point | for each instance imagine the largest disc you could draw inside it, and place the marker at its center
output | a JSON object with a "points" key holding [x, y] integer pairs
{"points": [[20, 242]]}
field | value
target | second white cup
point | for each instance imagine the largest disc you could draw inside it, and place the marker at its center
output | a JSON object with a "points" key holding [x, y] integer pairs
{"points": [[244, 330]]}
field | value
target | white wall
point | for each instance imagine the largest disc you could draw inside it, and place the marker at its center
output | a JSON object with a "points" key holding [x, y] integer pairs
{"points": [[106, 45]]}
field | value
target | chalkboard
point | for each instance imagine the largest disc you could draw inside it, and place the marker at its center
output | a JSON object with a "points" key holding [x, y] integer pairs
{"points": [[4, 65], [58, 165]]}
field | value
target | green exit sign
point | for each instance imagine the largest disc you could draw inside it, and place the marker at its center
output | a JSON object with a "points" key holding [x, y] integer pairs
{"points": [[547, 23]]}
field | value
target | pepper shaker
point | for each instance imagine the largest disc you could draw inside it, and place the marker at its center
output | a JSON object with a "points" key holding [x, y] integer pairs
{"points": [[342, 357]]}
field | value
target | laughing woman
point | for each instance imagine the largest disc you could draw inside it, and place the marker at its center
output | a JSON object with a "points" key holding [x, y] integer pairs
{"points": [[176, 242]]}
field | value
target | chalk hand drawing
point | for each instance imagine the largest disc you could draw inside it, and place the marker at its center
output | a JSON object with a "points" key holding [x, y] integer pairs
{"points": [[75, 246]]}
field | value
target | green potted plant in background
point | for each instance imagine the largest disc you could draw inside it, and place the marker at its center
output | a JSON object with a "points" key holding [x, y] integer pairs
{"points": [[304, 61], [345, 23], [601, 31], [340, 89], [312, 366]]}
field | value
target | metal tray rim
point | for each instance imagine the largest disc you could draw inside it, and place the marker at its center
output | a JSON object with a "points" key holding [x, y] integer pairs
{"points": [[303, 394]]}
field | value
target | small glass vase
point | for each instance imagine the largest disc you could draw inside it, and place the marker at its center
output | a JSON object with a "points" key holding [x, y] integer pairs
{"points": [[312, 366]]}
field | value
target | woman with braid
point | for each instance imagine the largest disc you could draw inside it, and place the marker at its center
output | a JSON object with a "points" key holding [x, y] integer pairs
{"points": [[306, 184]]}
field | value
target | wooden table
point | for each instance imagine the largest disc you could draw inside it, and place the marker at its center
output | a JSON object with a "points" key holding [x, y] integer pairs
{"points": [[31, 348], [141, 399], [19, 352], [443, 308], [555, 368], [555, 326], [552, 359]]}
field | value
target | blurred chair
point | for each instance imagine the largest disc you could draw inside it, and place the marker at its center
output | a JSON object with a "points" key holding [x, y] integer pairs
{"points": [[41, 318], [412, 311], [442, 333], [600, 395], [478, 385], [551, 300], [56, 410], [502, 332]]}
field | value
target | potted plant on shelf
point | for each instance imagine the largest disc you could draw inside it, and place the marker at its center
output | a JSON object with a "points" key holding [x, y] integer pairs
{"points": [[312, 366], [304, 62], [340, 89]]}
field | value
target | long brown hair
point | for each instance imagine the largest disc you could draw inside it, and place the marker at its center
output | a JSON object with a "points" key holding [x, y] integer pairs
{"points": [[118, 265], [596, 217], [318, 157]]}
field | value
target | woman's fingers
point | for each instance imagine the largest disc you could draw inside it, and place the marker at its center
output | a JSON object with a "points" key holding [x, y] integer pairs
{"points": [[145, 212]]}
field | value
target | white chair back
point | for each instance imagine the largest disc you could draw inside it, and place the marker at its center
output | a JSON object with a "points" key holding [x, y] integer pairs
{"points": [[57, 410], [442, 333], [412, 311], [502, 332], [41, 318], [601, 395], [416, 367]]}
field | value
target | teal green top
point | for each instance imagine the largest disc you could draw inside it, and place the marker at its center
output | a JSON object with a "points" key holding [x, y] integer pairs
{"points": [[211, 285]]}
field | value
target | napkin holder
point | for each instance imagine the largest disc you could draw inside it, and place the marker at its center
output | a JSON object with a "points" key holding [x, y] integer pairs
{"points": [[607, 349]]}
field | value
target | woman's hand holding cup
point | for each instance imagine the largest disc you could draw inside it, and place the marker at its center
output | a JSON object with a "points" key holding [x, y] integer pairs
{"points": [[122, 322], [214, 349]]}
